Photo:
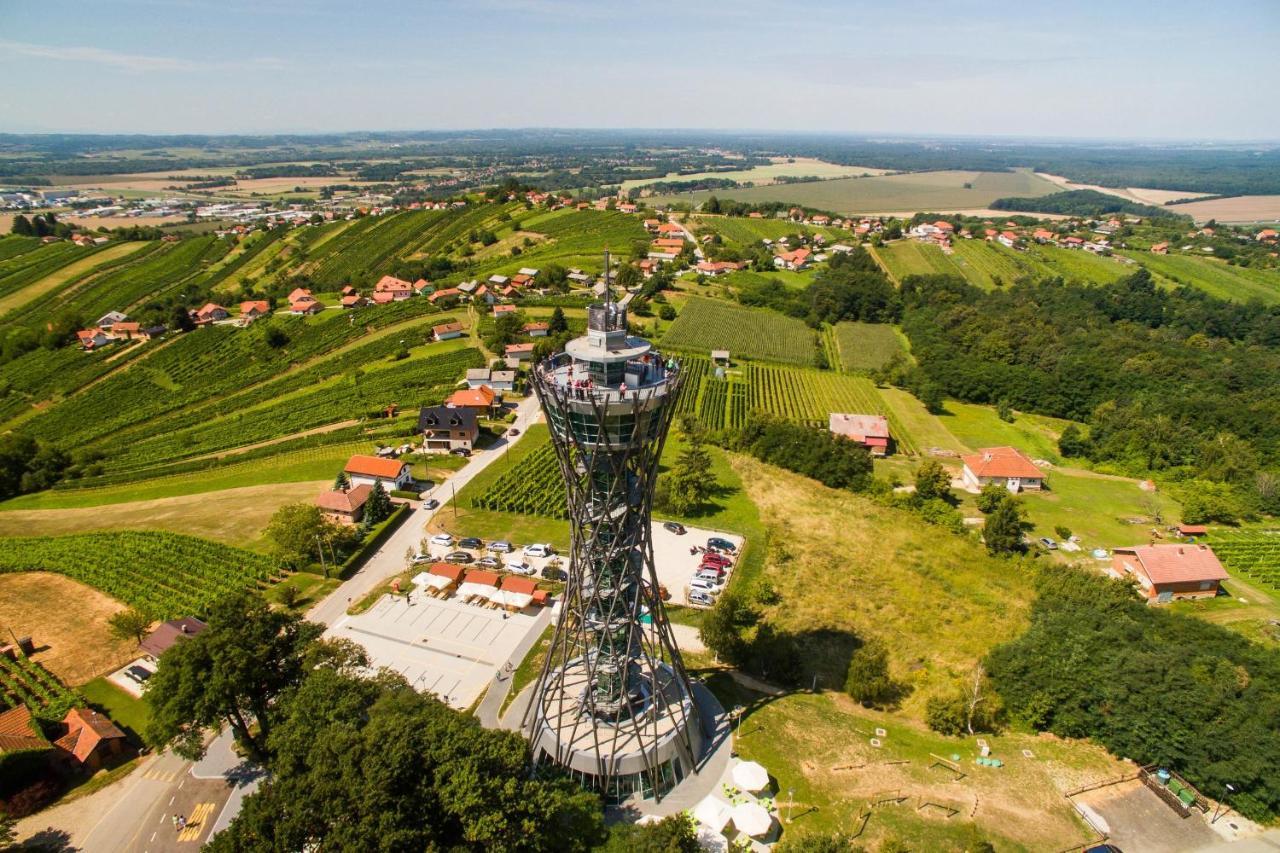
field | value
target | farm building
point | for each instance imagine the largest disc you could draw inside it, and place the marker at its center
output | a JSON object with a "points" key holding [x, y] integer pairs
{"points": [[90, 738], [482, 401], [446, 331], [166, 634], [250, 311], [446, 428], [536, 330], [871, 431], [498, 380], [449, 294], [1004, 465], [368, 470], [345, 506], [521, 352], [499, 310], [91, 339], [210, 313], [1168, 572], [19, 733], [109, 319]]}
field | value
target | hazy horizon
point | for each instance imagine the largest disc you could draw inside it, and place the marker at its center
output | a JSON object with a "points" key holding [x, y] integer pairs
{"points": [[1089, 72]]}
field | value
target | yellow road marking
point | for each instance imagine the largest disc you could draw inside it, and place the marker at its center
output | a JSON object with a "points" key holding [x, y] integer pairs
{"points": [[195, 822]]}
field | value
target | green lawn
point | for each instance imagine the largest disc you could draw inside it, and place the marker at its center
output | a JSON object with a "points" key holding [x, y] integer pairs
{"points": [[128, 713], [867, 346], [1094, 508], [923, 429], [979, 426], [311, 588], [1213, 276], [911, 257]]}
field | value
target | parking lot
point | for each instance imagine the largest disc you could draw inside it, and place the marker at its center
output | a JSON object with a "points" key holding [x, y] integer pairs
{"points": [[127, 684], [440, 646]]}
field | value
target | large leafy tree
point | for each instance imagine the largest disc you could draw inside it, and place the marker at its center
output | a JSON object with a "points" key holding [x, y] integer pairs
{"points": [[368, 763], [129, 625], [232, 673]]}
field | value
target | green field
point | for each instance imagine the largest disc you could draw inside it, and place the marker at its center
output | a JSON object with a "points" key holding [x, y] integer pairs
{"points": [[1094, 507], [706, 324], [746, 231], [979, 426], [924, 430], [867, 346], [941, 191], [1252, 553], [902, 258], [1214, 277], [796, 168]]}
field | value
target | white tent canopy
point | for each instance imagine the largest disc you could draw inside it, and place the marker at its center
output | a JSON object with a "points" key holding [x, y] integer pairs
{"points": [[429, 581], [750, 776], [476, 590], [712, 813], [752, 819], [514, 600], [711, 840]]}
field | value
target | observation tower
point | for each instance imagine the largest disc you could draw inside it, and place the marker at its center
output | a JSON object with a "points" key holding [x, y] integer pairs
{"points": [[612, 704]]}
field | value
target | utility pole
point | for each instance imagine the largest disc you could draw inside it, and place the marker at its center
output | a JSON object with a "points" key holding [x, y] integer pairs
{"points": [[320, 551]]}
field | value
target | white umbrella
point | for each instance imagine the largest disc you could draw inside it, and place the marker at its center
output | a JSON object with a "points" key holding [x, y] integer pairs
{"points": [[710, 840], [750, 776], [712, 813], [752, 819]]}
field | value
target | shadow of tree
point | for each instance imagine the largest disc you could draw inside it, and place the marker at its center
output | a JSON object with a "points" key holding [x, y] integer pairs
{"points": [[49, 840]]}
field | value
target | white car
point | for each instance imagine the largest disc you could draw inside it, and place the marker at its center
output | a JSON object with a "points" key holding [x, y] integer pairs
{"points": [[537, 550], [698, 584], [442, 539], [501, 546], [418, 559], [716, 579], [521, 569]]}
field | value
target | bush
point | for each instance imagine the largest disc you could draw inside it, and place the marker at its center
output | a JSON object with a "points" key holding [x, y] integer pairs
{"points": [[868, 680]]}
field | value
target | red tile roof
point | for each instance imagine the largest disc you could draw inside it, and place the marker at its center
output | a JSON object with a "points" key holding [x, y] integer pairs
{"points": [[348, 501], [858, 427], [444, 294], [446, 570], [481, 397], [1165, 564], [162, 638], [446, 328], [1001, 462], [261, 307], [18, 732], [391, 284], [374, 466], [511, 583], [481, 577], [85, 730]]}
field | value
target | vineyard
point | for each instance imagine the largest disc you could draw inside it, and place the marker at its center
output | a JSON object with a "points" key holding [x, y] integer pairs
{"points": [[17, 271], [363, 252], [1254, 554], [867, 346], [165, 575], [532, 486], [25, 682], [707, 324]]}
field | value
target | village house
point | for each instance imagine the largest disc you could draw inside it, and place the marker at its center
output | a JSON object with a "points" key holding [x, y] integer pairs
{"points": [[536, 330], [167, 634], [90, 738], [1042, 235], [210, 313], [445, 296], [501, 310], [399, 289], [250, 311], [1007, 238], [300, 294], [448, 428], [364, 470], [447, 331], [483, 401], [344, 506], [498, 280], [521, 280], [795, 260], [1265, 235], [651, 225], [715, 268], [871, 431], [306, 306], [522, 352], [354, 300], [109, 319], [498, 380], [1166, 573], [422, 286], [1003, 465], [531, 272]]}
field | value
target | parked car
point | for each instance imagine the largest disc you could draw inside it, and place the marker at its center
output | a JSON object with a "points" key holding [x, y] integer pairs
{"points": [[675, 527], [471, 542], [442, 539], [138, 674], [488, 563], [431, 503], [722, 544], [699, 597], [1049, 543], [521, 569], [538, 550], [712, 576], [419, 559], [502, 546], [716, 560], [704, 585], [555, 573], [460, 451], [461, 557]]}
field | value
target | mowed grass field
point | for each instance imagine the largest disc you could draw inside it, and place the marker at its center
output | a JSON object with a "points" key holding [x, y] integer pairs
{"points": [[867, 346], [941, 192], [1213, 276], [707, 324], [902, 258]]}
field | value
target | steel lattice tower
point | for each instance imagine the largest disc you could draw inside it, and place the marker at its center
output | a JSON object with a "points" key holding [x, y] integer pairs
{"points": [[613, 703]]}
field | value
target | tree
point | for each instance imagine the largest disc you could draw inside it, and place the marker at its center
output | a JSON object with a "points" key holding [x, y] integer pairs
{"points": [[867, 679], [1004, 410], [931, 395], [677, 833], [230, 673], [1005, 527], [295, 533], [557, 325], [627, 277], [691, 482], [129, 625], [991, 496], [723, 625], [342, 482], [1072, 442], [22, 226], [835, 842], [933, 481], [180, 319], [973, 707], [378, 506], [368, 762]]}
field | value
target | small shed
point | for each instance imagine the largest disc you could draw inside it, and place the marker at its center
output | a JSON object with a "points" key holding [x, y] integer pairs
{"points": [[720, 356]]}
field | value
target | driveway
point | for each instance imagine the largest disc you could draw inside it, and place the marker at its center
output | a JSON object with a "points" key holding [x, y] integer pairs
{"points": [[388, 561]]}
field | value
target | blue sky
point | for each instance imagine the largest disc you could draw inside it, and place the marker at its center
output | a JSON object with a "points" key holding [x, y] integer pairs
{"points": [[1170, 70]]}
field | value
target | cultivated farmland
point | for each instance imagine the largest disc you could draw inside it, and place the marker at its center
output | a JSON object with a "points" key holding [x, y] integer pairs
{"points": [[1252, 553], [867, 346], [911, 257], [706, 324], [1213, 276]]}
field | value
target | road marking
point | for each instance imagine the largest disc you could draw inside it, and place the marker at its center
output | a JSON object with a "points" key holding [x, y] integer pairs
{"points": [[160, 775], [171, 799], [152, 838], [195, 823]]}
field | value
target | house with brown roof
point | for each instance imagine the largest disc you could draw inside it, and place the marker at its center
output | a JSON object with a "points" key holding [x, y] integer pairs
{"points": [[1166, 573], [536, 330], [299, 294], [794, 260], [305, 306], [520, 352], [364, 470], [19, 732], [344, 506], [871, 431], [448, 294], [499, 310], [448, 428], [250, 311], [91, 339], [91, 738], [1004, 465], [210, 313], [446, 331], [354, 300], [397, 287], [483, 401], [165, 635]]}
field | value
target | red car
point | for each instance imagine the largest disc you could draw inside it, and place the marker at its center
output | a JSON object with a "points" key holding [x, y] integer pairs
{"points": [[716, 560], [711, 567]]}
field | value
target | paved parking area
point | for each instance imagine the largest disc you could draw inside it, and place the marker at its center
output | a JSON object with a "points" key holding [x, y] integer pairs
{"points": [[440, 646], [128, 685], [1138, 822], [673, 561]]}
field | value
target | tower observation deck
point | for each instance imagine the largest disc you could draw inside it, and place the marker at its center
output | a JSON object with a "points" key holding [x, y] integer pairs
{"points": [[612, 704]]}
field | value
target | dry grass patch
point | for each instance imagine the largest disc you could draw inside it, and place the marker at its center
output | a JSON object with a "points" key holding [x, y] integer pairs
{"points": [[841, 563], [68, 622]]}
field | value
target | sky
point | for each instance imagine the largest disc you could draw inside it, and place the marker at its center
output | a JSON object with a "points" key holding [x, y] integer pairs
{"points": [[1079, 69]]}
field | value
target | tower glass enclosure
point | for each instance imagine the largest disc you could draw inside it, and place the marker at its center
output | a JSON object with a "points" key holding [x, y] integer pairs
{"points": [[612, 704]]}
